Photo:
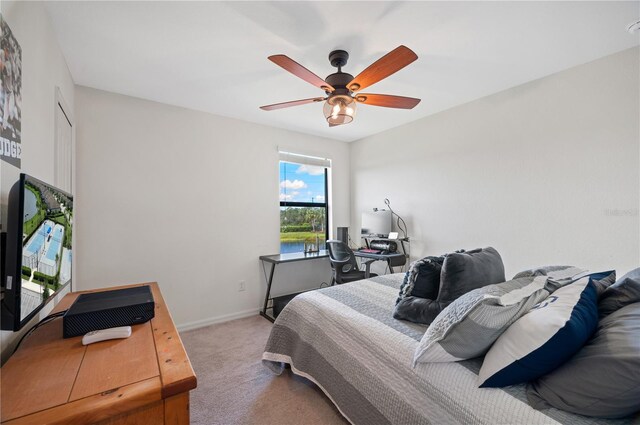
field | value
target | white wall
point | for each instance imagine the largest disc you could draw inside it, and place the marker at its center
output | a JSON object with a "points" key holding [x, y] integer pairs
{"points": [[190, 200], [547, 172], [43, 70]]}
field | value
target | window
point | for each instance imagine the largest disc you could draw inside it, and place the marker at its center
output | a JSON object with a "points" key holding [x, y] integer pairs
{"points": [[304, 212]]}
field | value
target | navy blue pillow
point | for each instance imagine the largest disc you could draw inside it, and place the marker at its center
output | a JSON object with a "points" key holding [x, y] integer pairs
{"points": [[546, 337]]}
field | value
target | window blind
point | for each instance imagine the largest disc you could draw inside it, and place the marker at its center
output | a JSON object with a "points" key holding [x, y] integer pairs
{"points": [[304, 159]]}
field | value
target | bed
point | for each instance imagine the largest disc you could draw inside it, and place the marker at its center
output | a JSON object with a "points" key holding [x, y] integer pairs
{"points": [[345, 340]]}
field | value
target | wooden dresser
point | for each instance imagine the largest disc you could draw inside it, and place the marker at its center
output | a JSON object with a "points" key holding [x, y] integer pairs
{"points": [[144, 379]]}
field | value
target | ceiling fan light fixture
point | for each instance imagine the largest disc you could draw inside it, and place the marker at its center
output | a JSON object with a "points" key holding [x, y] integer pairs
{"points": [[339, 110], [340, 87]]}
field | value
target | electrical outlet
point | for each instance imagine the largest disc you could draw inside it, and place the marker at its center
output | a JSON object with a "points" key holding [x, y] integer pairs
{"points": [[242, 286]]}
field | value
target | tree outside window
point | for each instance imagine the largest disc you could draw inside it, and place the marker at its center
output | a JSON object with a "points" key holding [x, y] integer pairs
{"points": [[303, 206]]}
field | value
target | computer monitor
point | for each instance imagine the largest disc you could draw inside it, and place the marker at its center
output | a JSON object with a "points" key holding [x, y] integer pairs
{"points": [[376, 223]]}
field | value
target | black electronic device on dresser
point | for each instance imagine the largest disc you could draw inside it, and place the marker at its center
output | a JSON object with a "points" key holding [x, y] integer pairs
{"points": [[108, 309]]}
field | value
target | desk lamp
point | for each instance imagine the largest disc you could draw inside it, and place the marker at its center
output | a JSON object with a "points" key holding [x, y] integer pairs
{"points": [[399, 221]]}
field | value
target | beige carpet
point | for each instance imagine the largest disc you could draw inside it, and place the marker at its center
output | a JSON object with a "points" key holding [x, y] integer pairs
{"points": [[235, 388]]}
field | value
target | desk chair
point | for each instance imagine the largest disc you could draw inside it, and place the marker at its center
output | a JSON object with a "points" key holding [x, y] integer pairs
{"points": [[343, 263]]}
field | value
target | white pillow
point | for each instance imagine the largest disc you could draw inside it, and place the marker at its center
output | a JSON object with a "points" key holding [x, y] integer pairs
{"points": [[544, 338]]}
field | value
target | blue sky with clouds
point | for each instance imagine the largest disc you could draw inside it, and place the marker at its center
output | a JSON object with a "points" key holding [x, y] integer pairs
{"points": [[301, 183]]}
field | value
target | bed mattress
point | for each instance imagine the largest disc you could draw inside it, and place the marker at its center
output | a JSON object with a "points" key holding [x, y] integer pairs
{"points": [[345, 340]]}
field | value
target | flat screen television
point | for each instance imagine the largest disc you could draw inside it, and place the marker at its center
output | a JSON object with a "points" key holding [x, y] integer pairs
{"points": [[38, 249]]}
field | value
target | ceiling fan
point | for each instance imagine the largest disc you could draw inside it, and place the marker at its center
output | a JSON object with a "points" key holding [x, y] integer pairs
{"points": [[342, 89]]}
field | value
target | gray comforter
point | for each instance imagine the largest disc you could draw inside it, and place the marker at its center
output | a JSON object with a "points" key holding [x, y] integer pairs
{"points": [[345, 339]]}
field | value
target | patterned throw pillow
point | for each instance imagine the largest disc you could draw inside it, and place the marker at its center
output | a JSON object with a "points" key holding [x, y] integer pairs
{"points": [[559, 276], [556, 272], [466, 328], [544, 338], [462, 271], [423, 279]]}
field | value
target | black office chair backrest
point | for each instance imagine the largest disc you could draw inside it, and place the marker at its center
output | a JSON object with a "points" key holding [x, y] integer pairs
{"points": [[341, 255]]}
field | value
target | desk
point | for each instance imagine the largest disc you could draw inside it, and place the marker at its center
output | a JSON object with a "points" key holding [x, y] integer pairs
{"points": [[393, 260], [279, 259], [144, 379]]}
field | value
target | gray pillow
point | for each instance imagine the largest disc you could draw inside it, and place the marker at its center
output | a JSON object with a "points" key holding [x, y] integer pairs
{"points": [[461, 272], [557, 272], [470, 325], [633, 274], [625, 291], [560, 276], [602, 284], [423, 279], [417, 310], [602, 379], [465, 271]]}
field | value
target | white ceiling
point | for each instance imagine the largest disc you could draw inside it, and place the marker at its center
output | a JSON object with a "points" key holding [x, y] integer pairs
{"points": [[212, 56]]}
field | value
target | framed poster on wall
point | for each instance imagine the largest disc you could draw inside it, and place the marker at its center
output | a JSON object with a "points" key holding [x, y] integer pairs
{"points": [[10, 96]]}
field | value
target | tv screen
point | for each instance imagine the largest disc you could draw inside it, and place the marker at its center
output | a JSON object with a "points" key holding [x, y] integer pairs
{"points": [[38, 248]]}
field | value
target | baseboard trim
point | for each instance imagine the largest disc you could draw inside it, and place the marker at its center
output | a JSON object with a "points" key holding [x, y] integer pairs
{"points": [[189, 326]]}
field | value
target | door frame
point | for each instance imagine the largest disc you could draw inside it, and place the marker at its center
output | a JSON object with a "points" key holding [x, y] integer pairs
{"points": [[61, 103]]}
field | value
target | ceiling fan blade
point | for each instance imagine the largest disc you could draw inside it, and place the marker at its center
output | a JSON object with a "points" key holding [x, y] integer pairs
{"points": [[300, 71], [387, 65], [386, 100], [290, 104]]}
